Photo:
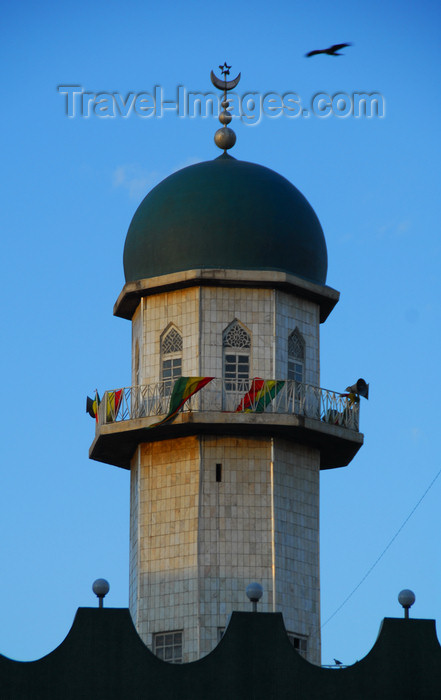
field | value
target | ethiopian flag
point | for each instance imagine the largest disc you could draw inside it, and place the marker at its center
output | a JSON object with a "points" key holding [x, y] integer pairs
{"points": [[183, 389], [260, 395], [112, 404]]}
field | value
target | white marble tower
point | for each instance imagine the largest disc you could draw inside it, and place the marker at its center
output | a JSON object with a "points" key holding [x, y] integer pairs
{"points": [[225, 265]]}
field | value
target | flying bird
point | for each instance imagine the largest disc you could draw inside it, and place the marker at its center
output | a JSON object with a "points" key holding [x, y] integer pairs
{"points": [[332, 51]]}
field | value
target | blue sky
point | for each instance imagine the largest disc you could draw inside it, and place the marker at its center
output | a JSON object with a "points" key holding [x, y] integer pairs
{"points": [[69, 188]]}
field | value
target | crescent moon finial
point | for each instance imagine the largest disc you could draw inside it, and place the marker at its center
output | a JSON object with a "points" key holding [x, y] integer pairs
{"points": [[224, 84], [224, 138]]}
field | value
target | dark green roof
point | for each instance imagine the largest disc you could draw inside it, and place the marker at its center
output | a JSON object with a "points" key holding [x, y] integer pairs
{"points": [[225, 213], [103, 657]]}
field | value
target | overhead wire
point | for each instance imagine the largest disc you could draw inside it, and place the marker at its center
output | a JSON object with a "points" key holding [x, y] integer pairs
{"points": [[369, 571]]}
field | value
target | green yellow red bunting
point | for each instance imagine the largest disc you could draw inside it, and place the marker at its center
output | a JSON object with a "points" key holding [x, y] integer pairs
{"points": [[261, 393], [183, 389], [113, 403]]}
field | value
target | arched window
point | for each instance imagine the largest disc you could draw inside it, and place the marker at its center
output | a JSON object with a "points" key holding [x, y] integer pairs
{"points": [[137, 400], [137, 364], [236, 357], [171, 357], [296, 356]]}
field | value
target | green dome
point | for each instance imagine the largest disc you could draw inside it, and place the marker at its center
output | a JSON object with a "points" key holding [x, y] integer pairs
{"points": [[225, 213]]}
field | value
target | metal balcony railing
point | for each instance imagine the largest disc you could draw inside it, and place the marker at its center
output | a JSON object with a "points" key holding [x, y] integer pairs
{"points": [[228, 396]]}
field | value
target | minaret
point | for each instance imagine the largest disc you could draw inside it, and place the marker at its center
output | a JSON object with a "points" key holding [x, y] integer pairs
{"points": [[225, 264]]}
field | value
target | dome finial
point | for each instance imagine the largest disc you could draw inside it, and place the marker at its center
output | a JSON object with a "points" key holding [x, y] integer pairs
{"points": [[225, 137]]}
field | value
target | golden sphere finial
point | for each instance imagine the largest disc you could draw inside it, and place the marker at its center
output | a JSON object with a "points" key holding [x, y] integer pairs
{"points": [[225, 138]]}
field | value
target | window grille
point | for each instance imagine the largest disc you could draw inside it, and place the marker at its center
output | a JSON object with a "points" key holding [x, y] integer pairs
{"points": [[236, 365], [168, 646], [172, 342], [137, 364], [171, 358], [237, 337], [296, 357]]}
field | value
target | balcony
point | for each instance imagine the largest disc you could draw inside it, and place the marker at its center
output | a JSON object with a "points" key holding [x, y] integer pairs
{"points": [[152, 400], [311, 415]]}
